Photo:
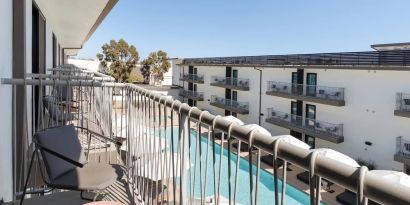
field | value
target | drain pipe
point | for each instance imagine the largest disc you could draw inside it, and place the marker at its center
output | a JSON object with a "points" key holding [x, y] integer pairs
{"points": [[260, 94]]}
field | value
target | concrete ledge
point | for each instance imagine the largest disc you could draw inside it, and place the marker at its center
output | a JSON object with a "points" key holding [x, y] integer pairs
{"points": [[192, 81], [319, 100], [192, 97], [402, 113], [232, 109]]}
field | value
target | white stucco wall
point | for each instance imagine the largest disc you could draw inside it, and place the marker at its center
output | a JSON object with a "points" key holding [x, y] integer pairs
{"points": [[6, 39], [93, 65], [367, 116]]}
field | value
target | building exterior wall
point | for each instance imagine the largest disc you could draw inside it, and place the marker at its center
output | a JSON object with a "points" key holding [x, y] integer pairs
{"points": [[370, 98], [6, 39]]}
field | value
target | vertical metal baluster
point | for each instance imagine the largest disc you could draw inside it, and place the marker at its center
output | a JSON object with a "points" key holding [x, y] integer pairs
{"points": [[229, 163], [258, 167], [214, 158], [191, 196], [172, 156], [197, 148], [206, 161], [275, 170], [236, 171], [250, 167], [285, 166]]}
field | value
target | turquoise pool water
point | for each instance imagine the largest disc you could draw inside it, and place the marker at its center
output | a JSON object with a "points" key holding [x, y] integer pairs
{"points": [[294, 196]]}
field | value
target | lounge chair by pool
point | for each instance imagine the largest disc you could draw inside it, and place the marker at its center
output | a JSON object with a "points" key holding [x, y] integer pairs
{"points": [[349, 198]]}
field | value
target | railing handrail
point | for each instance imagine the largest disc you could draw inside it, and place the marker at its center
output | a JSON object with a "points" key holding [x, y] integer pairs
{"points": [[375, 188]]}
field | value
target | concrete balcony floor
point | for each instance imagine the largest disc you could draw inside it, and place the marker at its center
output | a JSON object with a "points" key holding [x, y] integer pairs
{"points": [[118, 192]]}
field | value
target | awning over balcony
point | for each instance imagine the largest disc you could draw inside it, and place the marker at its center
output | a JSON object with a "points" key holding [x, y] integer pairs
{"points": [[74, 21]]}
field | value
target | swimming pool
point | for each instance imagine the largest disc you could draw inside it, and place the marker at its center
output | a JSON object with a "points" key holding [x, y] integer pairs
{"points": [[266, 195]]}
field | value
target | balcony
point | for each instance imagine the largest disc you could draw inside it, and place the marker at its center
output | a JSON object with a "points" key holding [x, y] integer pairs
{"points": [[402, 105], [231, 105], [230, 83], [319, 94], [402, 150], [194, 95], [158, 151], [192, 78], [323, 130]]}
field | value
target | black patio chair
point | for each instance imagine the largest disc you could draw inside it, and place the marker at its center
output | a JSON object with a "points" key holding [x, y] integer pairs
{"points": [[66, 165]]}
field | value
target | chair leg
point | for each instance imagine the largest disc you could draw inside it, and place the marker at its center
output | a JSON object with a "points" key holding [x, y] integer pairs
{"points": [[97, 193], [28, 176]]}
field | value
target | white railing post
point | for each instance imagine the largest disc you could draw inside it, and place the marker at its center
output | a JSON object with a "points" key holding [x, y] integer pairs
{"points": [[184, 139]]}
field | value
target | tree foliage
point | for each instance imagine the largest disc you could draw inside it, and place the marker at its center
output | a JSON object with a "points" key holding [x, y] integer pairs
{"points": [[118, 59], [155, 65]]}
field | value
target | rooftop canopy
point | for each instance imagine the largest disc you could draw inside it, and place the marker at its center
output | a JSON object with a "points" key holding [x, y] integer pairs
{"points": [[391, 46]]}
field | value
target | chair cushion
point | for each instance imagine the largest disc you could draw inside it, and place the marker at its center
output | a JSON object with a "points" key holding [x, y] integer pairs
{"points": [[93, 176], [63, 140]]}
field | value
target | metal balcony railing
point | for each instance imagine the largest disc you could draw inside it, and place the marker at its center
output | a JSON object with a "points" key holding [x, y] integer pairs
{"points": [[192, 77], [160, 151], [321, 129], [346, 59], [402, 105], [320, 94], [233, 83], [232, 105], [403, 102], [191, 94]]}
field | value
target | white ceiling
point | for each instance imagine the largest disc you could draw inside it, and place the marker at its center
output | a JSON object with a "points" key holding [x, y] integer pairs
{"points": [[72, 20]]}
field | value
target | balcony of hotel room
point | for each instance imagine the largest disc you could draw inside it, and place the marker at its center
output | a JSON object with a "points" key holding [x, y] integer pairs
{"points": [[231, 105], [402, 153], [192, 78], [324, 130], [402, 105], [230, 83], [193, 95], [311, 93]]}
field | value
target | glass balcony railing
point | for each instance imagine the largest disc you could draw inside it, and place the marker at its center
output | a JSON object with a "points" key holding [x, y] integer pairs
{"points": [[232, 105], [317, 128], [192, 94], [192, 77], [402, 105], [319, 94], [233, 83], [402, 150]]}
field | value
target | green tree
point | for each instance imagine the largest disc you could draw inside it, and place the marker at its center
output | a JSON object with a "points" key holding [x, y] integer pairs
{"points": [[118, 59], [155, 65]]}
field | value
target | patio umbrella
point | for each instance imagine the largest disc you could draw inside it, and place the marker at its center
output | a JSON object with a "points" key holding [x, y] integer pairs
{"points": [[297, 143], [331, 154]]}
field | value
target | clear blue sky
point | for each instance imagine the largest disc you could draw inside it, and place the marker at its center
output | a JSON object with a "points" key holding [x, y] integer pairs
{"points": [[191, 28]]}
